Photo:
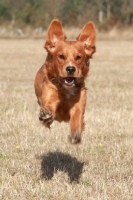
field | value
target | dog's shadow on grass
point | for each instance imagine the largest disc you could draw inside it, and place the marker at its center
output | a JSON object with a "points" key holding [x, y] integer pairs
{"points": [[57, 161]]}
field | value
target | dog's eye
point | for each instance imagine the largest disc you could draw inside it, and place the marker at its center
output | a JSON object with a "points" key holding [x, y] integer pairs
{"points": [[62, 57], [78, 58]]}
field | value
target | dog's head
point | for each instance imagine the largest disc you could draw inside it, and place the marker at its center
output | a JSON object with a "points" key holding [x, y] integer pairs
{"points": [[69, 60]]}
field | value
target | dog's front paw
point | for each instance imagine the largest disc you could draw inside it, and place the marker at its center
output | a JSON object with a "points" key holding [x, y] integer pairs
{"points": [[74, 138], [46, 117]]}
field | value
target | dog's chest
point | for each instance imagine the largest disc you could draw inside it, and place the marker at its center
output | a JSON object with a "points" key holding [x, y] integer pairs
{"points": [[71, 93]]}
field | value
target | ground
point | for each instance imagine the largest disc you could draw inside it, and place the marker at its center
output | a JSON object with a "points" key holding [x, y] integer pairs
{"points": [[38, 163]]}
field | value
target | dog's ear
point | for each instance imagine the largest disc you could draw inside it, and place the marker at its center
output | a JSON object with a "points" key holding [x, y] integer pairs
{"points": [[54, 34], [88, 37]]}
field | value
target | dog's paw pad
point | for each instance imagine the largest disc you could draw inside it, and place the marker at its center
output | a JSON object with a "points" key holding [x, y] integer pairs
{"points": [[74, 138], [46, 117]]}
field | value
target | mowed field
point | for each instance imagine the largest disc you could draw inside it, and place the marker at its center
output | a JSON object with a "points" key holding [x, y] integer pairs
{"points": [[38, 163]]}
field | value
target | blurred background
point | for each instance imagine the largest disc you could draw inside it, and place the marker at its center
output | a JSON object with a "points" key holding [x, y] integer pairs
{"points": [[30, 18]]}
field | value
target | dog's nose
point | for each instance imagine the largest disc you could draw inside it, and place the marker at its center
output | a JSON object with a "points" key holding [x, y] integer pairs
{"points": [[70, 70]]}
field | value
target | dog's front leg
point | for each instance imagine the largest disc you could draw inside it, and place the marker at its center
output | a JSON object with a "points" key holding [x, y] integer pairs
{"points": [[77, 119], [49, 103]]}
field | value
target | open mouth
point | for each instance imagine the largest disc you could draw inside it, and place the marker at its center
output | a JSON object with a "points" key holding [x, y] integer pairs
{"points": [[68, 81]]}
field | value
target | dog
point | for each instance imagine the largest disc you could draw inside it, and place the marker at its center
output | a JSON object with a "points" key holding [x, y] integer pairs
{"points": [[60, 82]]}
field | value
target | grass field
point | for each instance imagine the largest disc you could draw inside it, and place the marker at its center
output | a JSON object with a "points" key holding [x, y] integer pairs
{"points": [[37, 163]]}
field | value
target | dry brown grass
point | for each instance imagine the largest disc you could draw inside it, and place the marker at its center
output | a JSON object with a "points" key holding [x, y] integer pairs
{"points": [[37, 163]]}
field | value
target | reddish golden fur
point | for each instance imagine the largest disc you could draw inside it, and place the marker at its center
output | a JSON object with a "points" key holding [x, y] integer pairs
{"points": [[59, 83]]}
